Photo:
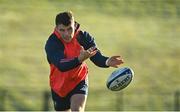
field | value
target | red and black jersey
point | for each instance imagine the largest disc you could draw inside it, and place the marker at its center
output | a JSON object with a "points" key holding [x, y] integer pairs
{"points": [[65, 69]]}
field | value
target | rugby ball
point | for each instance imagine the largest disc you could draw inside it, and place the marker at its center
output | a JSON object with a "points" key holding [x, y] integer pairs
{"points": [[120, 78]]}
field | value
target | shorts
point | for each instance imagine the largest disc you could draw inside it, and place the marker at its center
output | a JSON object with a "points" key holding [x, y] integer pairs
{"points": [[63, 103]]}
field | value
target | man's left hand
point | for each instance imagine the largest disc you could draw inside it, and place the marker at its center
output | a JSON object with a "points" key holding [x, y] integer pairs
{"points": [[114, 61]]}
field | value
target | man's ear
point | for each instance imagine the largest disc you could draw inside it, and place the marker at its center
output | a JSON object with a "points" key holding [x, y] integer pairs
{"points": [[76, 25], [56, 28]]}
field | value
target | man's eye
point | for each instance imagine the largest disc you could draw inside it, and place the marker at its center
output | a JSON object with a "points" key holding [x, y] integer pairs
{"points": [[69, 29], [61, 30]]}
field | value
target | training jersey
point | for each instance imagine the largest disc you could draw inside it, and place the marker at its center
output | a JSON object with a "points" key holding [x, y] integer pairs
{"points": [[66, 72]]}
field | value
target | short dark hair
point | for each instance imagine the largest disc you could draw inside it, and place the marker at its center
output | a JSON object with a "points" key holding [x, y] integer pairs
{"points": [[64, 18]]}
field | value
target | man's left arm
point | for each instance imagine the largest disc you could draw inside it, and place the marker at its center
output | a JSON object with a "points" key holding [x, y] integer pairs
{"points": [[99, 60], [87, 42]]}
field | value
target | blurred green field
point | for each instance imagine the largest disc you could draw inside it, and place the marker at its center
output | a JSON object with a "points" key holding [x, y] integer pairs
{"points": [[145, 33]]}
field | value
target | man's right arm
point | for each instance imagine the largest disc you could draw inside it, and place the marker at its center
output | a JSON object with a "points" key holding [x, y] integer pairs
{"points": [[55, 56]]}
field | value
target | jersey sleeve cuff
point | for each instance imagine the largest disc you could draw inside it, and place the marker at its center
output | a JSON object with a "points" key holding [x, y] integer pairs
{"points": [[107, 62]]}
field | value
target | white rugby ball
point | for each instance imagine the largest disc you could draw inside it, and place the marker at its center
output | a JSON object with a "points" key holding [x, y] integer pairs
{"points": [[120, 79]]}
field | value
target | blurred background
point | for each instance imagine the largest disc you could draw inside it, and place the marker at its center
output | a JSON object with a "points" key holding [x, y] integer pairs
{"points": [[146, 33]]}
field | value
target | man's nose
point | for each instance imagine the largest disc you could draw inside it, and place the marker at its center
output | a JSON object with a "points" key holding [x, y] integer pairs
{"points": [[66, 32]]}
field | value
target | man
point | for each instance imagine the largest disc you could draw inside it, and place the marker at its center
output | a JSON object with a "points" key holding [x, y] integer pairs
{"points": [[67, 48]]}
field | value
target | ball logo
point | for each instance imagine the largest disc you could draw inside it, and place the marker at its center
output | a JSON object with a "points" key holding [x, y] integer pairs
{"points": [[120, 83]]}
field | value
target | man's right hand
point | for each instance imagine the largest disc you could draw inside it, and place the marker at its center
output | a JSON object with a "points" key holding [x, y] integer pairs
{"points": [[85, 54]]}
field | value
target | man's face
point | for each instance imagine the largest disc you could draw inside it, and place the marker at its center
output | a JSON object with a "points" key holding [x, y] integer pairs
{"points": [[66, 32]]}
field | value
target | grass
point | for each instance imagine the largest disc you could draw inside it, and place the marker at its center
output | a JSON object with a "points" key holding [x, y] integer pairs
{"points": [[145, 33]]}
